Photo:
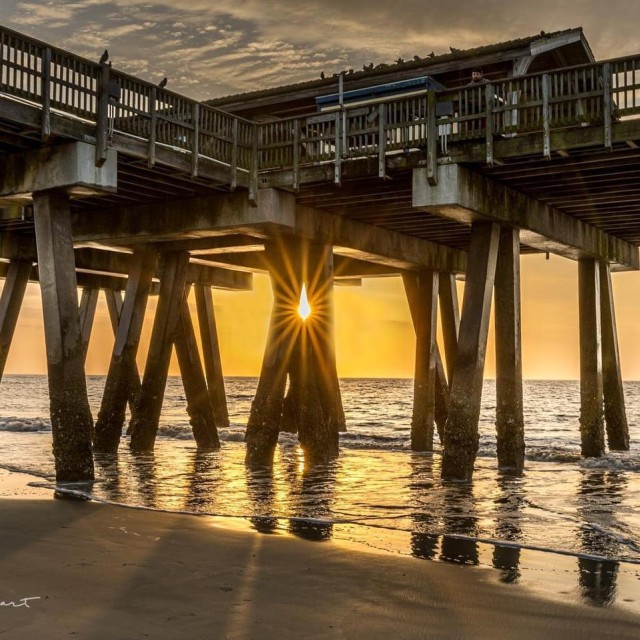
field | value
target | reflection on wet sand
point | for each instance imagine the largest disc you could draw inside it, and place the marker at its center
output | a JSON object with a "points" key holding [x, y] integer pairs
{"points": [[597, 578], [204, 481], [312, 492], [261, 493], [455, 514], [508, 513]]}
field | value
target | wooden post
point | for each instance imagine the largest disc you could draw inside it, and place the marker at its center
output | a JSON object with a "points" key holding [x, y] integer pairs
{"points": [[71, 419], [102, 115], [614, 410], [266, 409], [509, 412], [195, 386], [461, 431], [114, 306], [591, 392], [422, 294], [211, 353], [15, 285], [144, 425], [122, 368], [87, 314], [450, 317]]}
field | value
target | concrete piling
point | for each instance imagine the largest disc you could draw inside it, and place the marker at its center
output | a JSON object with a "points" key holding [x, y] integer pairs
{"points": [[144, 425], [71, 419], [461, 431], [199, 405], [211, 353], [509, 404], [123, 372], [591, 391], [422, 294], [615, 415], [115, 304], [11, 299]]}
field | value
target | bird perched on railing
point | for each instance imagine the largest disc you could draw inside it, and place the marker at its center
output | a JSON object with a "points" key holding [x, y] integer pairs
{"points": [[163, 83], [104, 57], [322, 76]]}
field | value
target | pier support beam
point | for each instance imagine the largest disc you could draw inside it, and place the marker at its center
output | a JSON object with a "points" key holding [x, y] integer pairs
{"points": [[87, 313], [450, 316], [199, 406], [211, 352], [614, 410], [114, 307], [11, 299], [461, 431], [422, 294], [320, 409], [509, 411], [144, 425], [266, 409], [591, 392], [71, 419], [123, 369]]}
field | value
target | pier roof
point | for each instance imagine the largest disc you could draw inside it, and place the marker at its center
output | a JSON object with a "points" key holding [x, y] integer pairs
{"points": [[567, 47]]}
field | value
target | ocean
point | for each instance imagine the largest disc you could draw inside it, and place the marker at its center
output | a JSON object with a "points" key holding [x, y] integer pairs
{"points": [[379, 493]]}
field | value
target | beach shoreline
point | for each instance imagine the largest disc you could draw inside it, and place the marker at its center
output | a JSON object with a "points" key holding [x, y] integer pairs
{"points": [[101, 571]]}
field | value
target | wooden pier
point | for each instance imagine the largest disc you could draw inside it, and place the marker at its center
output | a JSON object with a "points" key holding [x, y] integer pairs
{"points": [[109, 182]]}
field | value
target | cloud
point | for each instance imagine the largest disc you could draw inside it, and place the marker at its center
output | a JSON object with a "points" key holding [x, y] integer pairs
{"points": [[211, 48]]}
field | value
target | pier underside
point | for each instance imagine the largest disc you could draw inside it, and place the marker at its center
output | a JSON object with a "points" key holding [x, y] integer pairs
{"points": [[174, 194]]}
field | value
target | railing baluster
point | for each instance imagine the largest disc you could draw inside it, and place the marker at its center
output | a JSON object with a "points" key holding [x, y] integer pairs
{"points": [[337, 173], [608, 106], [195, 145], [546, 129], [382, 140], [432, 139], [489, 99], [233, 183], [46, 93]]}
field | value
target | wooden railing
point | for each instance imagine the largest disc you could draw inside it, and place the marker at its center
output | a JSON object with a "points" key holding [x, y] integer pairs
{"points": [[594, 94], [60, 82]]}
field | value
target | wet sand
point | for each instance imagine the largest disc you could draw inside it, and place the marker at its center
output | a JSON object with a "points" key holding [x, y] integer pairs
{"points": [[110, 572]]}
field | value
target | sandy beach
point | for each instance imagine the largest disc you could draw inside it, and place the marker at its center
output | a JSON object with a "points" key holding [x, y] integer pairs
{"points": [[100, 571]]}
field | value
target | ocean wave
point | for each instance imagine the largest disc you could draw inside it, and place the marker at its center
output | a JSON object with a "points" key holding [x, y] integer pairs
{"points": [[613, 462], [24, 425], [79, 491]]}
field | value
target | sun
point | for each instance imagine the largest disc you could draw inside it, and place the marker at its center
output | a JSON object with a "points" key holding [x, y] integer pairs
{"points": [[304, 308]]}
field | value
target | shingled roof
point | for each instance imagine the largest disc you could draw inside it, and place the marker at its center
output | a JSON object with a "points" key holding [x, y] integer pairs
{"points": [[416, 63]]}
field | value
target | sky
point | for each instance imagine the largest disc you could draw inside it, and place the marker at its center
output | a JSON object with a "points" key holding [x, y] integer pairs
{"points": [[212, 48]]}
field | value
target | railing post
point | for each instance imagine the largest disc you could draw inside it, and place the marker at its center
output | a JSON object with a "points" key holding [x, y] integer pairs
{"points": [[608, 105], [546, 126], [489, 98], [253, 174], [233, 167], [382, 140], [151, 151], [337, 175], [296, 155], [432, 139], [46, 93], [102, 119], [195, 145]]}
